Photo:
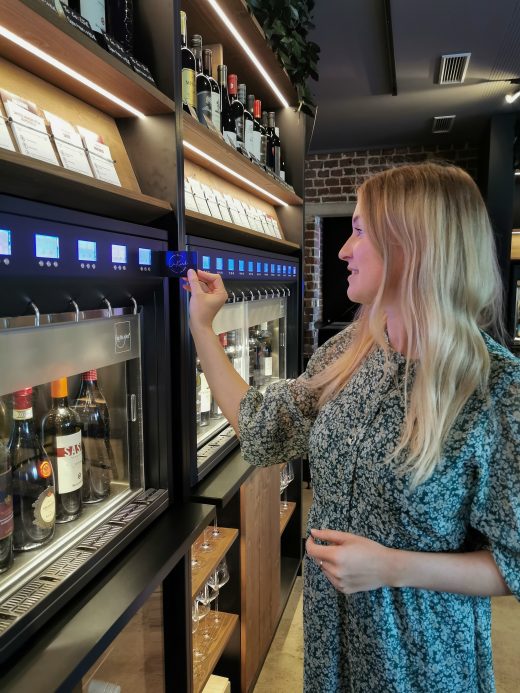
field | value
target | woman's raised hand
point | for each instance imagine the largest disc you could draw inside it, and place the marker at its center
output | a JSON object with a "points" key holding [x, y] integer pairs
{"points": [[208, 295]]}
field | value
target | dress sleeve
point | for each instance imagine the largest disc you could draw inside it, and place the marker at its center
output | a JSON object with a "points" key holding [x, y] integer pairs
{"points": [[495, 510], [274, 427]]}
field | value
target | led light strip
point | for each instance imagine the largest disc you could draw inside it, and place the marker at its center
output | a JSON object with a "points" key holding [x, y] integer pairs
{"points": [[233, 173], [67, 70], [229, 24]]}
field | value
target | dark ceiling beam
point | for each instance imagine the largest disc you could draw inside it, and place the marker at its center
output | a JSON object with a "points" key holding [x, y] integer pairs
{"points": [[390, 46]]}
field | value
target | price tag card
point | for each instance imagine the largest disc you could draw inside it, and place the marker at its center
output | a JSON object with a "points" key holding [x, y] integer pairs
{"points": [[202, 205], [79, 22], [225, 214], [189, 202], [209, 193], [231, 202], [142, 70], [28, 127], [100, 157], [265, 225], [69, 145], [116, 49], [187, 185], [214, 209], [5, 138], [236, 217], [196, 187]]}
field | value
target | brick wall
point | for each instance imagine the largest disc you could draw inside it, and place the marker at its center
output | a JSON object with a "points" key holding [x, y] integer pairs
{"points": [[335, 177]]}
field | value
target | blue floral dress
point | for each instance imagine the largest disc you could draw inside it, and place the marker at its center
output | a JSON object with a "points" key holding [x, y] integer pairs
{"points": [[397, 640]]}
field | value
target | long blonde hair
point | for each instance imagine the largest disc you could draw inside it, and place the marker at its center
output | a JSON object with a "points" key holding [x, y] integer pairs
{"points": [[450, 289]]}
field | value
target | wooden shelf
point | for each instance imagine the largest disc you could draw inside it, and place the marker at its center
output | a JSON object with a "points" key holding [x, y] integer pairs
{"points": [[213, 145], [203, 670], [30, 178], [218, 230], [209, 560], [203, 20], [286, 515], [33, 21]]}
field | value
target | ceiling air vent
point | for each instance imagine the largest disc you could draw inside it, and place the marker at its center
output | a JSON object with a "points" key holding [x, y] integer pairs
{"points": [[453, 68], [442, 124]]}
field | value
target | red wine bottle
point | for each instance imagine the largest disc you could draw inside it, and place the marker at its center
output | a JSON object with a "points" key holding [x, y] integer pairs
{"points": [[6, 510], [203, 85], [34, 503], [92, 410], [237, 108], [215, 91], [189, 82], [227, 121], [62, 438]]}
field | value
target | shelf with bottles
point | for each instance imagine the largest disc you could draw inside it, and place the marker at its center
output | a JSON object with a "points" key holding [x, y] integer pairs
{"points": [[220, 636], [209, 143], [36, 178], [39, 25], [203, 20], [207, 552]]}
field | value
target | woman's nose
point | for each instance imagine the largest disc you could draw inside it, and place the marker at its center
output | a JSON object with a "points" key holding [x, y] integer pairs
{"points": [[345, 251]]}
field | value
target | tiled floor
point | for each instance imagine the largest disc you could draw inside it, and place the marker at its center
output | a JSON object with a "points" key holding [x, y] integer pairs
{"points": [[283, 668]]}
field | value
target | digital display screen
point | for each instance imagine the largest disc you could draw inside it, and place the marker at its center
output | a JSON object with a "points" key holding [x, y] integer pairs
{"points": [[259, 267], [278, 269], [5, 242], [266, 268], [145, 257], [294, 271], [272, 269], [220, 263], [119, 253], [87, 251], [250, 266], [241, 265], [47, 246], [206, 262], [231, 264], [284, 269]]}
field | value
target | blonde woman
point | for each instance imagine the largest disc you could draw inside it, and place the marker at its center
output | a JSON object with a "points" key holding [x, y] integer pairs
{"points": [[410, 418]]}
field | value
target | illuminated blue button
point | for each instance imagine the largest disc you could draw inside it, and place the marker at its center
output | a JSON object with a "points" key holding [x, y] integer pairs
{"points": [[219, 264], [231, 264], [241, 266], [250, 266], [259, 268], [284, 269], [206, 262], [266, 268], [272, 269]]}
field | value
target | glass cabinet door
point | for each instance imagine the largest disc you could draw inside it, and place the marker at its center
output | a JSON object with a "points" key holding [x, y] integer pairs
{"points": [[266, 325]]}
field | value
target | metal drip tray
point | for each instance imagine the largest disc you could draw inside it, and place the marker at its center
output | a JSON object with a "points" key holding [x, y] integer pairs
{"points": [[21, 602]]}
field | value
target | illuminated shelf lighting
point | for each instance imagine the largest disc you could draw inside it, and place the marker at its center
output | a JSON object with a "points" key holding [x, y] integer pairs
{"points": [[511, 98], [67, 70], [233, 173], [229, 24]]}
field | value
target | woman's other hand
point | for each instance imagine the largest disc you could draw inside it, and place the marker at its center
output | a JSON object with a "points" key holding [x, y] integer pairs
{"points": [[208, 295], [350, 562]]}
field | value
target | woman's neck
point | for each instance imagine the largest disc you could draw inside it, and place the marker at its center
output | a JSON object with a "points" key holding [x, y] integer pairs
{"points": [[396, 330]]}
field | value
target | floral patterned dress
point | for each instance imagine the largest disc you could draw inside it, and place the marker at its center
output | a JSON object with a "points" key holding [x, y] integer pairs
{"points": [[397, 640]]}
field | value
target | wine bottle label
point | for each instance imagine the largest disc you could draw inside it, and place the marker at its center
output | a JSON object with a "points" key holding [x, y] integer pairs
{"points": [[215, 109], [189, 87], [69, 460], [249, 140], [257, 144], [22, 414], [45, 509], [205, 394], [204, 103], [239, 123], [230, 138], [268, 365], [94, 13], [282, 174], [6, 505]]}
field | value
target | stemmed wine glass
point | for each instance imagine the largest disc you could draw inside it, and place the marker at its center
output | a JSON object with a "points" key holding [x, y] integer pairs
{"points": [[220, 577], [286, 476], [195, 619]]}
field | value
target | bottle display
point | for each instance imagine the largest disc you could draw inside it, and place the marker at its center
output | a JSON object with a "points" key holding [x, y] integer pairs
{"points": [[282, 164], [255, 350], [257, 135], [273, 158], [248, 121], [205, 400], [62, 439], [237, 108], [207, 57], [262, 140], [92, 411], [189, 83], [34, 504], [227, 121], [266, 356], [204, 104], [266, 142], [6, 509]]}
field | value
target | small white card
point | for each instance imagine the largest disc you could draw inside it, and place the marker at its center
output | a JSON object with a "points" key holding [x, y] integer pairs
{"points": [[69, 145], [202, 205], [231, 202], [214, 209], [224, 211], [100, 157], [208, 192], [5, 138], [187, 185], [29, 129], [196, 187], [235, 217], [189, 202]]}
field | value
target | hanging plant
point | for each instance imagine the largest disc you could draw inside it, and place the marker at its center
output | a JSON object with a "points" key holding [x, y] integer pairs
{"points": [[286, 24]]}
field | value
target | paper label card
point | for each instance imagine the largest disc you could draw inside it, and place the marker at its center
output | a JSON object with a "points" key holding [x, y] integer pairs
{"points": [[214, 209], [5, 138], [196, 187], [189, 202], [69, 145], [224, 211], [28, 128], [99, 156], [202, 205]]}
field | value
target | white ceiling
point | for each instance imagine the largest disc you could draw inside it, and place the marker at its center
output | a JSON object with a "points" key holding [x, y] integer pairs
{"points": [[356, 108]]}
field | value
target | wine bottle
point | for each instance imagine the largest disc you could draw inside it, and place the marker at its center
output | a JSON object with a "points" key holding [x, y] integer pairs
{"points": [[93, 11], [257, 135], [266, 143], [62, 439], [204, 106], [248, 120], [227, 121], [282, 165], [266, 357], [120, 22], [197, 397], [274, 144], [255, 349], [34, 503], [92, 411], [5, 421], [215, 91], [205, 400], [262, 147], [189, 84], [6, 510], [237, 108]]}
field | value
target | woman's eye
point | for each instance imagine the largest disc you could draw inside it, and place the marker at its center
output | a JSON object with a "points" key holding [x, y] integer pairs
{"points": [[358, 231]]}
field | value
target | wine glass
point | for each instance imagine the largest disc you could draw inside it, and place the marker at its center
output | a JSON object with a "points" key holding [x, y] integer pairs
{"points": [[220, 578], [195, 619], [216, 531], [206, 544]]}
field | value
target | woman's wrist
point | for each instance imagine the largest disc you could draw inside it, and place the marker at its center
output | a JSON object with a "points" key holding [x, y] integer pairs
{"points": [[201, 330], [395, 568]]}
